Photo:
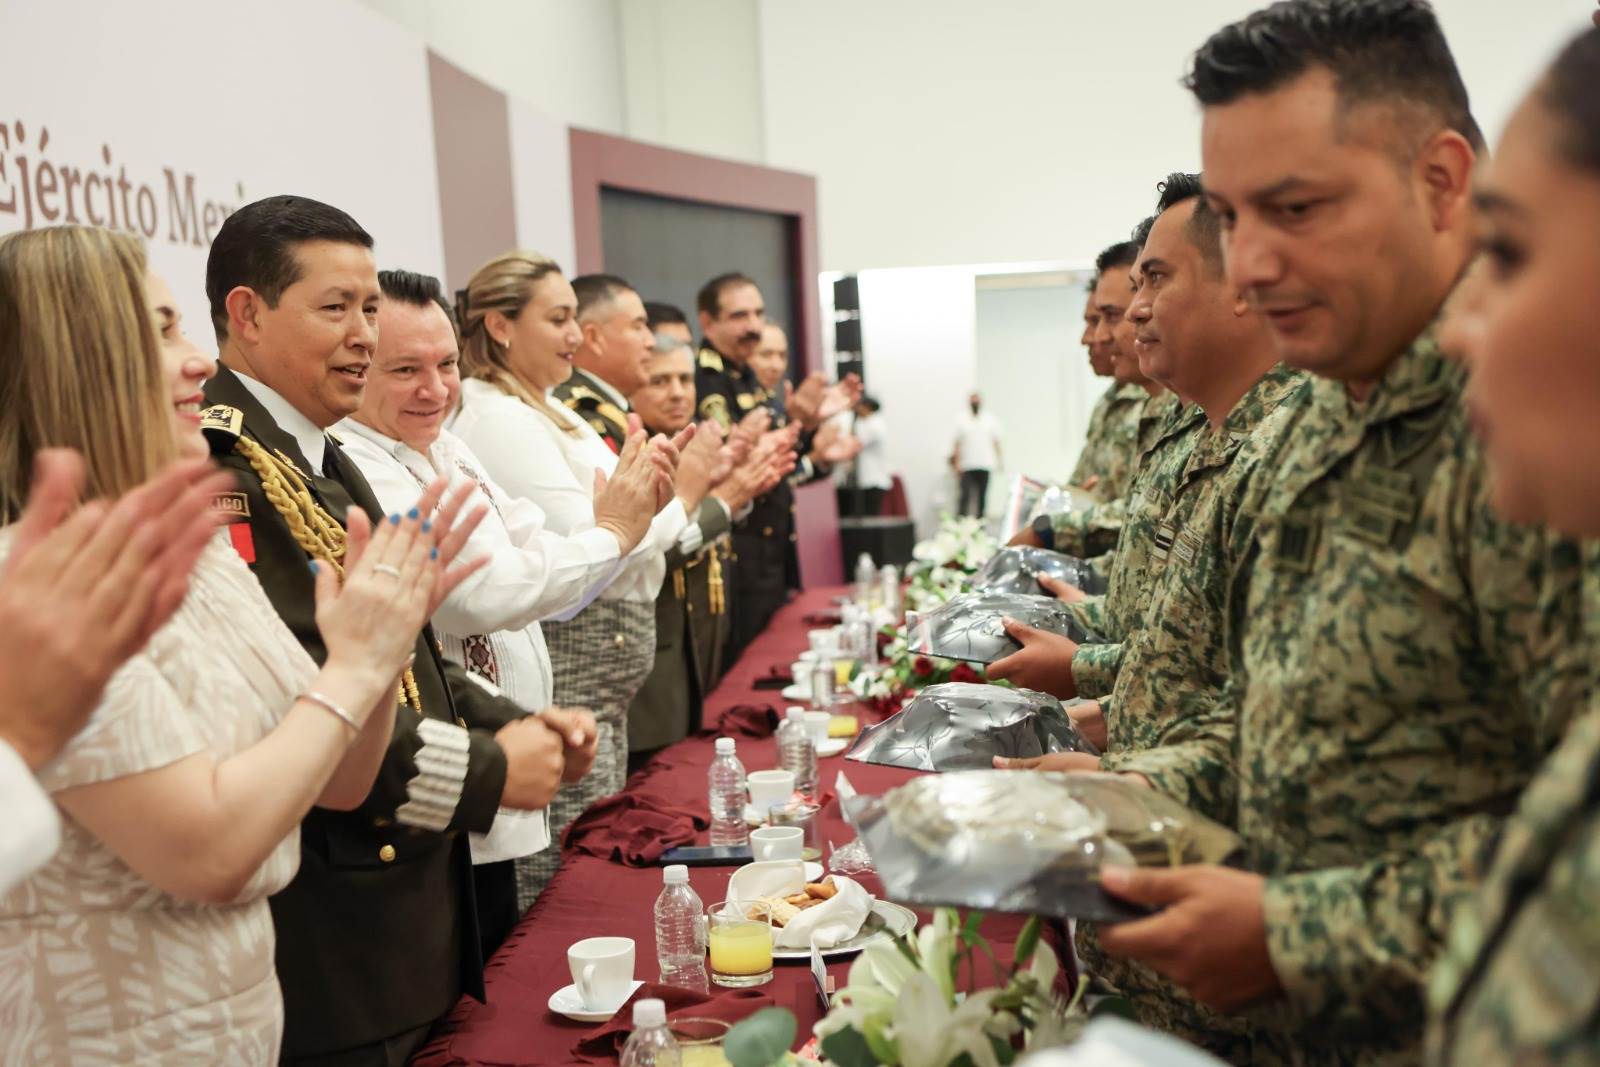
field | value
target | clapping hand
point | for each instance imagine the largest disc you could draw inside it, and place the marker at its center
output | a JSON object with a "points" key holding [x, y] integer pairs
{"points": [[579, 736], [832, 445], [625, 503], [697, 467], [85, 586], [1044, 662], [816, 401]]}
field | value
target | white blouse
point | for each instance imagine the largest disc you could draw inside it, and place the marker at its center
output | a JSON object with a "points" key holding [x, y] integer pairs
{"points": [[528, 456]]}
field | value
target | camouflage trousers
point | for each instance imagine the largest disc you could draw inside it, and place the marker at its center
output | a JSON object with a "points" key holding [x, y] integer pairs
{"points": [[599, 660], [1160, 1004]]}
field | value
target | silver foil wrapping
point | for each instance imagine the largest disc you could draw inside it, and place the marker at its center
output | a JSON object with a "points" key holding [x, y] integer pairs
{"points": [[961, 726], [967, 626], [1020, 841], [1017, 569]]}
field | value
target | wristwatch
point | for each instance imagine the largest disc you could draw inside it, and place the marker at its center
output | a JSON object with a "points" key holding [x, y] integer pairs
{"points": [[1045, 531]]}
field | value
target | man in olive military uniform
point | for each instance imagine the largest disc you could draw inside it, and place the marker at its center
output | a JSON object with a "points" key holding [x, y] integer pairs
{"points": [[733, 322], [606, 368], [377, 934], [1404, 659]]}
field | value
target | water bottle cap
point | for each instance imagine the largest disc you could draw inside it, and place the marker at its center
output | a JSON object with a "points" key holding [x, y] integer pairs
{"points": [[675, 874], [725, 746], [649, 1013], [797, 715]]}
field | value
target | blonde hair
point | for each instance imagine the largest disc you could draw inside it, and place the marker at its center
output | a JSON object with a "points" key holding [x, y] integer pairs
{"points": [[82, 367], [504, 284]]}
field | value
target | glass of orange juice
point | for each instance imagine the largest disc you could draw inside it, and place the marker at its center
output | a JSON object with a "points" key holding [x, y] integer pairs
{"points": [[741, 943]]}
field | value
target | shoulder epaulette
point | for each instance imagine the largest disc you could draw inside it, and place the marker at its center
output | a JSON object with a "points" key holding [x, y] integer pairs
{"points": [[222, 425], [710, 360], [611, 413]]}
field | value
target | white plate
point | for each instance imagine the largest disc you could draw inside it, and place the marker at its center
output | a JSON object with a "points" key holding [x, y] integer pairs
{"points": [[886, 920], [797, 692], [833, 746], [566, 1001], [813, 871]]}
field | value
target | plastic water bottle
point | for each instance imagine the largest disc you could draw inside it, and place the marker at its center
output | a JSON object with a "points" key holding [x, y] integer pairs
{"points": [[681, 932], [866, 573], [651, 1044], [795, 751], [727, 789]]}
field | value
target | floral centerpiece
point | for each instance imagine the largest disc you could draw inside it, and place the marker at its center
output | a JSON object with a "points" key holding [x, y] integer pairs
{"points": [[905, 1005], [887, 686]]}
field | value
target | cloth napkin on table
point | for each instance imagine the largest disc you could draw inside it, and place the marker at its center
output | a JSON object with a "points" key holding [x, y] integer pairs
{"points": [[604, 1045], [826, 925], [633, 829], [745, 720]]}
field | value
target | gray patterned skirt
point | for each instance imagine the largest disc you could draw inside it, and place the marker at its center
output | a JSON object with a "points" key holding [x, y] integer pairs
{"points": [[599, 660]]}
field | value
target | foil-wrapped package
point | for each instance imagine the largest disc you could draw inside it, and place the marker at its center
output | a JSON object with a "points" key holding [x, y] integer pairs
{"points": [[961, 726], [1020, 841], [967, 626], [1017, 569]]}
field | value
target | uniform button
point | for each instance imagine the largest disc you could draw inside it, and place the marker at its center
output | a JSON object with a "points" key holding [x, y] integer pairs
{"points": [[381, 822], [766, 531], [386, 853], [621, 641]]}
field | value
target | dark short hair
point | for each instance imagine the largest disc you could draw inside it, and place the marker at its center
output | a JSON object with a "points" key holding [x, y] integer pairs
{"points": [[1141, 232], [1121, 254], [411, 287], [661, 314], [709, 299], [1204, 228], [593, 290], [1377, 50], [871, 403], [1568, 92], [255, 248]]}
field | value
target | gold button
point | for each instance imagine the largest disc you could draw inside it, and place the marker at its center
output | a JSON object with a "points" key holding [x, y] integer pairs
{"points": [[621, 640], [766, 531], [386, 853]]}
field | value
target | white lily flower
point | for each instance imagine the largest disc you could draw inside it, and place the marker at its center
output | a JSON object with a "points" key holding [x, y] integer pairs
{"points": [[931, 1033]]}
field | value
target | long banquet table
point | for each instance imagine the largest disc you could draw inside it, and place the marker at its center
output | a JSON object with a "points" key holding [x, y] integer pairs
{"points": [[593, 897]]}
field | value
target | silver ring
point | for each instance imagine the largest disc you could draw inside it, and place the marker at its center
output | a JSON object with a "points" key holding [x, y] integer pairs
{"points": [[384, 568]]}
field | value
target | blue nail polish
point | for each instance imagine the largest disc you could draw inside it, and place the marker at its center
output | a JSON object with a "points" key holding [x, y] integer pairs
{"points": [[427, 525], [394, 519], [413, 513], [313, 566], [433, 553]]}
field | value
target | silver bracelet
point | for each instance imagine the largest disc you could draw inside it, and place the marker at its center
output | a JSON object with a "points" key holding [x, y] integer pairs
{"points": [[313, 697]]}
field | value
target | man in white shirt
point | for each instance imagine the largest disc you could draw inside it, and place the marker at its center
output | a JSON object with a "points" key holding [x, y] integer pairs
{"points": [[977, 452], [81, 590], [869, 480], [489, 624]]}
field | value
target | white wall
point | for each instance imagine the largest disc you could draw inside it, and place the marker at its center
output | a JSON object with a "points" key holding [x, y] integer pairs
{"points": [[944, 131], [173, 90], [562, 56]]}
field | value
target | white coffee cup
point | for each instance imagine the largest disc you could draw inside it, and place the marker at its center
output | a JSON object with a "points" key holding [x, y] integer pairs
{"points": [[817, 723], [778, 842], [769, 787], [800, 671], [602, 970]]}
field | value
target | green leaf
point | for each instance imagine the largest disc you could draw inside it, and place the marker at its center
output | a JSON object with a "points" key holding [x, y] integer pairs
{"points": [[846, 1048], [969, 929], [761, 1040], [1028, 940], [1003, 1051]]}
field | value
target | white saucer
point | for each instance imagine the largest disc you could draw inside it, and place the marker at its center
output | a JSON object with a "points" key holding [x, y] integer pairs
{"points": [[566, 1001], [797, 692], [834, 745]]}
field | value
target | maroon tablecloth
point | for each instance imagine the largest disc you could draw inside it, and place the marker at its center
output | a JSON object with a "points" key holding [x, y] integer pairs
{"points": [[593, 897]]}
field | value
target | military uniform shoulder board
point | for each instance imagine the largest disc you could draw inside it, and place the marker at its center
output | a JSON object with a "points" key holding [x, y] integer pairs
{"points": [[576, 397], [715, 406], [611, 413], [710, 360], [222, 426]]}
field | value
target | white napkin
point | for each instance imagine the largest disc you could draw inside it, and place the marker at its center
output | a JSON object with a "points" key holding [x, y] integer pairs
{"points": [[827, 925]]}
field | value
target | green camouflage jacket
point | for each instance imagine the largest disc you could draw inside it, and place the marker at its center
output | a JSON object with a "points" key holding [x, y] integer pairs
{"points": [[1130, 427], [1402, 660], [1175, 663], [1141, 551], [1519, 980], [1111, 445]]}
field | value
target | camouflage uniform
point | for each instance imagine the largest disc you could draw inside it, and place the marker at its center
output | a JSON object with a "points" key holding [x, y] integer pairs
{"points": [[1394, 645], [1129, 430], [1110, 445], [1140, 554], [1174, 664], [1519, 981]]}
